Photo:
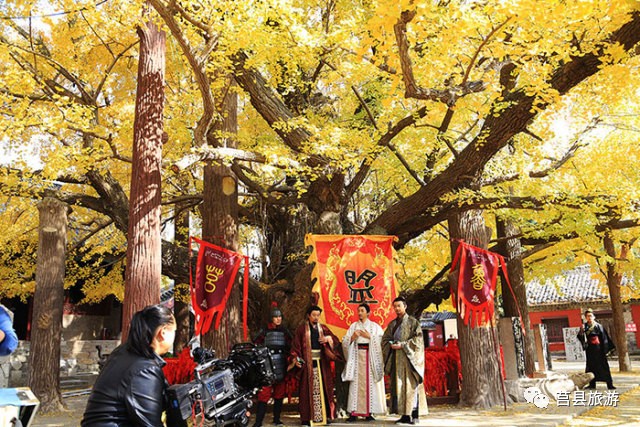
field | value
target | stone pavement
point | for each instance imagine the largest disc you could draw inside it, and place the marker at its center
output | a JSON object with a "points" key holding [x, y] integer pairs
{"points": [[625, 413]]}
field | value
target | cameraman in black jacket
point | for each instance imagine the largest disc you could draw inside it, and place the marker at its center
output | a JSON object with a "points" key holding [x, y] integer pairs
{"points": [[129, 391]]}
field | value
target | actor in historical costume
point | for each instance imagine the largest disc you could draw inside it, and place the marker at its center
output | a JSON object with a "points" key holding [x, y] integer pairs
{"points": [[364, 369], [314, 347], [277, 339], [597, 344], [403, 351]]}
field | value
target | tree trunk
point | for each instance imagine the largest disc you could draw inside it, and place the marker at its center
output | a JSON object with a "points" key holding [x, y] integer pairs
{"points": [[220, 224], [144, 257], [181, 290], [511, 249], [481, 382], [44, 353], [285, 229], [614, 279]]}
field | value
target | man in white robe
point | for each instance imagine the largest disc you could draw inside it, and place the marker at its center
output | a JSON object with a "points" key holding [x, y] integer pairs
{"points": [[364, 368]]}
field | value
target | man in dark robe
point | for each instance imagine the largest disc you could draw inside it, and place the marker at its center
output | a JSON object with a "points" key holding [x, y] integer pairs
{"points": [[313, 348], [403, 352], [597, 344], [277, 339]]}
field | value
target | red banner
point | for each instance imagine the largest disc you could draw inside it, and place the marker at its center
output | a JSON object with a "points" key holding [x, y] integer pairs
{"points": [[476, 283], [350, 270], [216, 270]]}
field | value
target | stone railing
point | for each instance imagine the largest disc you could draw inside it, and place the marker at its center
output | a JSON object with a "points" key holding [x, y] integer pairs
{"points": [[76, 357]]}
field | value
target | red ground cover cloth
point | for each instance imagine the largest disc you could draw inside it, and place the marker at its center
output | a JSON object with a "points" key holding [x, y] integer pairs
{"points": [[438, 364], [179, 370]]}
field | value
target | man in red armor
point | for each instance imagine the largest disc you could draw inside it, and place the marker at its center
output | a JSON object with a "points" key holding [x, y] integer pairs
{"points": [[277, 339]]}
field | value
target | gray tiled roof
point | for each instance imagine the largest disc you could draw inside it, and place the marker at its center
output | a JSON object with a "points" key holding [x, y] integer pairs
{"points": [[166, 295], [574, 286], [428, 320]]}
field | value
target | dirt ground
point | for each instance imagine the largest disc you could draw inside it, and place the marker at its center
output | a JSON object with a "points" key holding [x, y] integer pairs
{"points": [[626, 413]]}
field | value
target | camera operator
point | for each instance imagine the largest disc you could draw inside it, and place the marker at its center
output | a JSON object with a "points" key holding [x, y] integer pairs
{"points": [[130, 388], [277, 339]]}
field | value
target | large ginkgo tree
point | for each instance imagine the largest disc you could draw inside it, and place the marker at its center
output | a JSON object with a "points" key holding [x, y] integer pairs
{"points": [[417, 119]]}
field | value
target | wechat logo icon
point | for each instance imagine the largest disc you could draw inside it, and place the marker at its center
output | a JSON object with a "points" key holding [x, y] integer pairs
{"points": [[535, 396]]}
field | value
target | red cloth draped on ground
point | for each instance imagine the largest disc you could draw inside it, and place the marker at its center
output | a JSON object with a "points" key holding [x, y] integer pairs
{"points": [[292, 383], [350, 270], [438, 362], [179, 370], [216, 270]]}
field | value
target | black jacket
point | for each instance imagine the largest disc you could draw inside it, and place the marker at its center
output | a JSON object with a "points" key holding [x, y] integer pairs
{"points": [[129, 392]]}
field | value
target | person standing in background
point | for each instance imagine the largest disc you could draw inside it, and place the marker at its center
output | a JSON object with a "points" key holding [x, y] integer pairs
{"points": [[8, 337], [596, 343]]}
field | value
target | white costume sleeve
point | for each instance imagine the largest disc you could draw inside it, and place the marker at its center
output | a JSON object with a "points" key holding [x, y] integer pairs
{"points": [[375, 351], [350, 350]]}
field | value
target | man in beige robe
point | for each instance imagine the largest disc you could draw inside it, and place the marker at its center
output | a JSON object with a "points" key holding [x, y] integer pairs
{"points": [[403, 350]]}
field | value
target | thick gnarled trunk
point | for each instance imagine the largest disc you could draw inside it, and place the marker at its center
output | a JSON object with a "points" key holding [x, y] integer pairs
{"points": [[511, 249], [481, 381], [44, 353]]}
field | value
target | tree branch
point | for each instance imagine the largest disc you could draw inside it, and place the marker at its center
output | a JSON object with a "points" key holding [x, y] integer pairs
{"points": [[557, 164], [85, 98], [496, 132], [272, 109], [384, 141], [79, 243], [109, 68], [278, 199], [197, 66], [412, 90]]}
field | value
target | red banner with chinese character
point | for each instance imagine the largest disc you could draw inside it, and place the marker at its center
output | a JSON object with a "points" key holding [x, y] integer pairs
{"points": [[476, 283], [216, 270], [350, 270]]}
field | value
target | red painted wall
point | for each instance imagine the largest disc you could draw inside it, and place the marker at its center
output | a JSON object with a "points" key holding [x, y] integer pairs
{"points": [[635, 315], [574, 316]]}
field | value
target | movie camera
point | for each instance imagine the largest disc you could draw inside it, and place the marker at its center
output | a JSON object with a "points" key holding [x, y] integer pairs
{"points": [[222, 388]]}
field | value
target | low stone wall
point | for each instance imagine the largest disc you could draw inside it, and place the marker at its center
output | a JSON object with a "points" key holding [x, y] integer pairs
{"points": [[5, 369], [76, 357]]}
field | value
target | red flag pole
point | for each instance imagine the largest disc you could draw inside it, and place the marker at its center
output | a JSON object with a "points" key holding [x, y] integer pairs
{"points": [[245, 297], [500, 364]]}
